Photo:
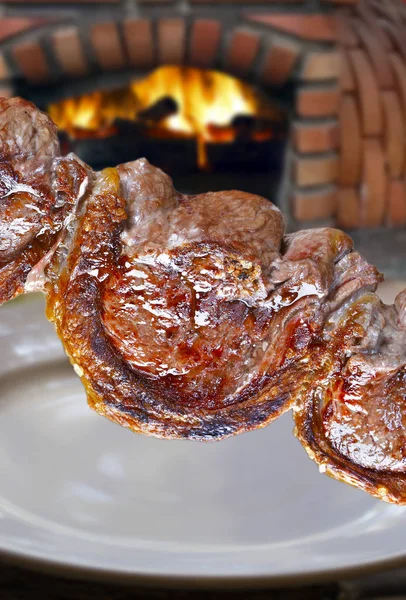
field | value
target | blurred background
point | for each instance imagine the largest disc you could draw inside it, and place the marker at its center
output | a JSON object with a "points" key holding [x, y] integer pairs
{"points": [[303, 102]]}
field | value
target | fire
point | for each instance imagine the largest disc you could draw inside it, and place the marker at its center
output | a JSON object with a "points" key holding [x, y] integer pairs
{"points": [[206, 102], [94, 112]]}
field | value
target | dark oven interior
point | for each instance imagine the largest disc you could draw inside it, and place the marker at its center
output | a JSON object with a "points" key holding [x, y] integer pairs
{"points": [[207, 129]]}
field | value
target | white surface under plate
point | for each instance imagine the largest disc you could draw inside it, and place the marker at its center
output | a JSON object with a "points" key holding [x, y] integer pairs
{"points": [[83, 496]]}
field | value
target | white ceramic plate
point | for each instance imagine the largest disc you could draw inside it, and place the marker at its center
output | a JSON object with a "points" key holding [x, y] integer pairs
{"points": [[81, 495]]}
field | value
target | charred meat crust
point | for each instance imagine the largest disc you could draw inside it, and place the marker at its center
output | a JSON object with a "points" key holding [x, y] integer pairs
{"points": [[352, 418], [384, 485], [287, 310], [115, 389]]}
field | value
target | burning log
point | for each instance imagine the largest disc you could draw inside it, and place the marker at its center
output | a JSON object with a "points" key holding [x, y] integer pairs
{"points": [[128, 128], [102, 133], [147, 122], [163, 108], [245, 128], [255, 127]]}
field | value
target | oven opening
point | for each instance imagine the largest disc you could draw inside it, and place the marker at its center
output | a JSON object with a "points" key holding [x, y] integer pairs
{"points": [[208, 130]]}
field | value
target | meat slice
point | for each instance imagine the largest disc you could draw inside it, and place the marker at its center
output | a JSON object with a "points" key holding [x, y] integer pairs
{"points": [[180, 313], [38, 190], [352, 421], [196, 316]]}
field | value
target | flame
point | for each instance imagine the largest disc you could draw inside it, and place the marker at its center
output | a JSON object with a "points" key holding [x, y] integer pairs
{"points": [[95, 111], [207, 102]]}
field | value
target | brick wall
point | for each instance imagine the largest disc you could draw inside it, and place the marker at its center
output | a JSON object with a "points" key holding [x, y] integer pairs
{"points": [[372, 185], [346, 60]]}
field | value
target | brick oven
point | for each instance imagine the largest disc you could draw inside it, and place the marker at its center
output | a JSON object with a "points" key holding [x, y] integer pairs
{"points": [[337, 67]]}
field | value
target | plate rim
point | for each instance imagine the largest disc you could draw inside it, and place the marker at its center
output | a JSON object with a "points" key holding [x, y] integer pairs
{"points": [[194, 582], [70, 570]]}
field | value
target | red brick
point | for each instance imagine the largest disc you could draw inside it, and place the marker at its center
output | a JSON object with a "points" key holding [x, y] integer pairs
{"points": [[397, 33], [321, 137], [369, 96], [69, 51], [350, 143], [279, 63], [399, 69], [313, 102], [377, 55], [307, 27], [374, 184], [388, 10], [313, 171], [139, 42], [204, 42], [397, 203], [347, 80], [107, 46], [394, 134], [345, 32], [348, 208], [370, 19], [11, 26], [31, 61], [312, 205], [171, 41], [322, 65], [242, 51]]}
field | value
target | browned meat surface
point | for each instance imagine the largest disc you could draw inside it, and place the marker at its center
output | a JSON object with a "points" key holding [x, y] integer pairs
{"points": [[38, 190], [177, 311], [197, 317], [352, 420]]}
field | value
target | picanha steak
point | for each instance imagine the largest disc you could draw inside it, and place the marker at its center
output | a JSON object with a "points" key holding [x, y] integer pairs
{"points": [[197, 316]]}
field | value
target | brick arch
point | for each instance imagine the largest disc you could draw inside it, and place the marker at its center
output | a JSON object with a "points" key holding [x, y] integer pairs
{"points": [[271, 50], [372, 184], [203, 42], [353, 173]]}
